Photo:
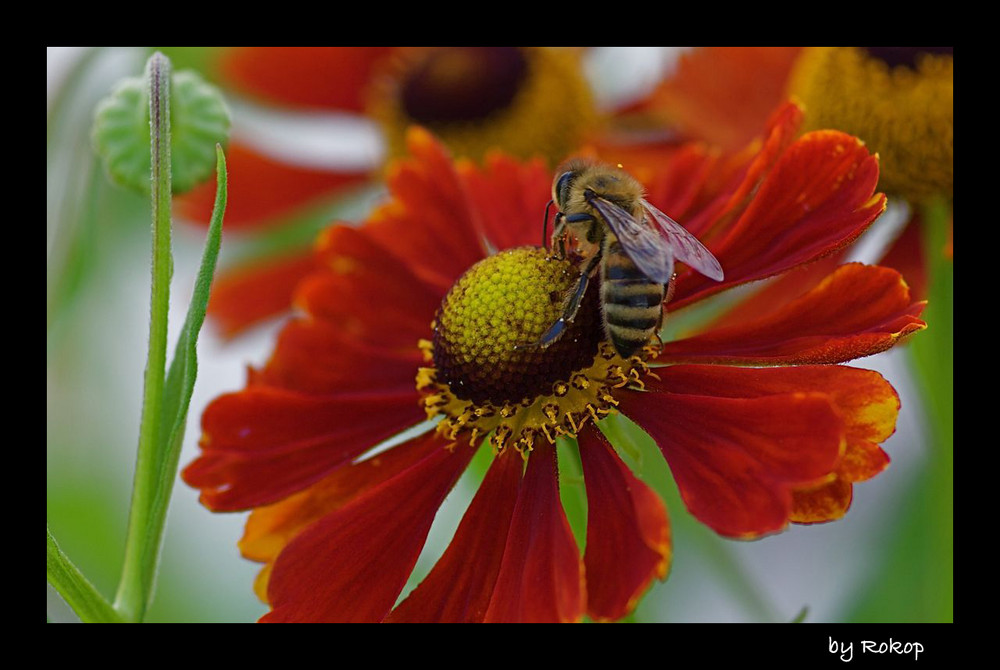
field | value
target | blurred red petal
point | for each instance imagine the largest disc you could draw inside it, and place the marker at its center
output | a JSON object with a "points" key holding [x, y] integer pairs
{"points": [[736, 458], [262, 189], [858, 310], [352, 564], [628, 534], [250, 294], [326, 77], [542, 576], [907, 256], [459, 587], [263, 444], [724, 94]]}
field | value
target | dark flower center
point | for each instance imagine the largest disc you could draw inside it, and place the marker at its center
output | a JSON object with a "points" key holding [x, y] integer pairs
{"points": [[463, 84], [907, 56]]}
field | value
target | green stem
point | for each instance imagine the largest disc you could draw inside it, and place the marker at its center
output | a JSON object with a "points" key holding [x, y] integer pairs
{"points": [[78, 593], [145, 528]]}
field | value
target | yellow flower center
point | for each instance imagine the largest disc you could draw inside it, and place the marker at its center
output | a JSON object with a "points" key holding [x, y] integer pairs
{"points": [[526, 101], [490, 375], [900, 102]]}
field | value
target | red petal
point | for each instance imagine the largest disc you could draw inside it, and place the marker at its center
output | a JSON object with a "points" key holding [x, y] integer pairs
{"points": [[740, 175], [351, 565], [777, 292], [628, 534], [319, 357], [736, 456], [428, 223], [270, 528], [459, 587], [261, 190], [508, 198], [247, 295], [679, 182], [365, 291], [326, 77], [724, 94], [263, 444], [857, 311], [866, 402], [541, 577], [818, 198]]}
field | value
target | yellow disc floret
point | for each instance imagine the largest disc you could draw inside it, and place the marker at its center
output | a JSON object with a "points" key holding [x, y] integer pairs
{"points": [[900, 104], [490, 373]]}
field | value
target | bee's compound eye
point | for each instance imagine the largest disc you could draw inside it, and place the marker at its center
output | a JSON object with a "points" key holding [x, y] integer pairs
{"points": [[562, 187]]}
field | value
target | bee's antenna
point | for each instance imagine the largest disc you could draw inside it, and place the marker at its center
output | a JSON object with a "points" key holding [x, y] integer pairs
{"points": [[545, 227]]}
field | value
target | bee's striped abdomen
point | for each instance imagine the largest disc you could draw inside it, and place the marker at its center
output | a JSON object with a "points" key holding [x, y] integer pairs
{"points": [[633, 304]]}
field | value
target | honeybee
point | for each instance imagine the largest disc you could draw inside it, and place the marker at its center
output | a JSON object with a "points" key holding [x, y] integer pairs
{"points": [[632, 242]]}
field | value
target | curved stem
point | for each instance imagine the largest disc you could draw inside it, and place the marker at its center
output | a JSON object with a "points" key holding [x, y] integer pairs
{"points": [[144, 532]]}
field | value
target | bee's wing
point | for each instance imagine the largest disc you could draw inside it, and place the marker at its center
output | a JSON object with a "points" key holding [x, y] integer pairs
{"points": [[686, 247], [650, 251]]}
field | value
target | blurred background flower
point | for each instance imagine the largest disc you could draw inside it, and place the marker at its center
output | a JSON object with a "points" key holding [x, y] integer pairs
{"points": [[314, 154]]}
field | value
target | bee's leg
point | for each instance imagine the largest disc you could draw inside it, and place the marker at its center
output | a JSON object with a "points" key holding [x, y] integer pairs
{"points": [[558, 239], [557, 329], [545, 227]]}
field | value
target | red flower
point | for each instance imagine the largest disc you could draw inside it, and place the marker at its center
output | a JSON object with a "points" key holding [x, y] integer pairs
{"points": [[751, 448]]}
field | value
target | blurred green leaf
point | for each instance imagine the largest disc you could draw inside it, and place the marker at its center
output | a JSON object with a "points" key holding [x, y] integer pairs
{"points": [[79, 593], [916, 581]]}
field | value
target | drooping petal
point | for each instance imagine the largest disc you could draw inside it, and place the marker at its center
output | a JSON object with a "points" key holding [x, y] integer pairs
{"points": [[246, 295], [262, 189], [459, 587], [628, 534], [271, 527], [865, 401], [319, 77], [508, 198], [351, 565], [858, 310], [818, 197], [316, 356], [541, 576], [736, 456], [428, 224], [263, 444]]}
